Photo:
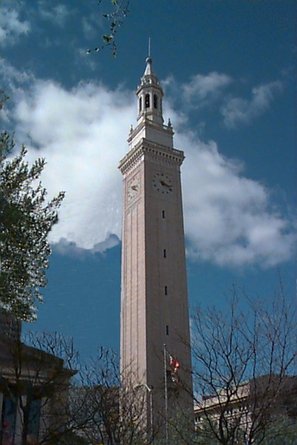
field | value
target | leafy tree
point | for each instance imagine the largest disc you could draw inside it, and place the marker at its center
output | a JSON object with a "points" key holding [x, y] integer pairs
{"points": [[26, 218]]}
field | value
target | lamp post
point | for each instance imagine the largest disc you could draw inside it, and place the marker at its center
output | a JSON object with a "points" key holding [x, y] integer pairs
{"points": [[149, 389], [165, 393]]}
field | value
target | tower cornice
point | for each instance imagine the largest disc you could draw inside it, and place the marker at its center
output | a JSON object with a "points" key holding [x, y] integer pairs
{"points": [[148, 150], [147, 124]]}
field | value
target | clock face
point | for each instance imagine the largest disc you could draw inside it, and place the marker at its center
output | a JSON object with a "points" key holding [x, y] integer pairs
{"points": [[162, 183], [133, 188]]}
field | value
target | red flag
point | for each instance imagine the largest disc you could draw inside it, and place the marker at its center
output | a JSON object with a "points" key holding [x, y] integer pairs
{"points": [[174, 363]]}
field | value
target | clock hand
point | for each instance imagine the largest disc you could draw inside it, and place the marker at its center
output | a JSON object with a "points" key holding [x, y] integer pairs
{"points": [[165, 184]]}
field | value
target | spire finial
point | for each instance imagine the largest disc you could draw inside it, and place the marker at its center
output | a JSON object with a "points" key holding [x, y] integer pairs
{"points": [[148, 59]]}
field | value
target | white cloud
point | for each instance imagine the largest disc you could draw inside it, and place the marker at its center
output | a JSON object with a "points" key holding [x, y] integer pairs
{"points": [[13, 77], [228, 219], [12, 80], [90, 26], [11, 26], [82, 134], [243, 111], [56, 14], [203, 88], [65, 247]]}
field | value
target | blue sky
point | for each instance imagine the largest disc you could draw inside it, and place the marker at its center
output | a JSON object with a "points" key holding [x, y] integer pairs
{"points": [[228, 69]]}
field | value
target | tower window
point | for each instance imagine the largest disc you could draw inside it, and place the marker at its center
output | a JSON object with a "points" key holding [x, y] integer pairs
{"points": [[140, 103], [155, 101], [147, 101], [165, 290], [164, 253], [163, 214], [167, 329]]}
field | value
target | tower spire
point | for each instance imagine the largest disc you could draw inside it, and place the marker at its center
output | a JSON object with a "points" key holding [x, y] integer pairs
{"points": [[150, 122], [149, 48], [150, 93]]}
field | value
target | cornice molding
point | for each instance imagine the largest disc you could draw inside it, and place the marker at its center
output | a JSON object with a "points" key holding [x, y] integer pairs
{"points": [[148, 150], [147, 123]]}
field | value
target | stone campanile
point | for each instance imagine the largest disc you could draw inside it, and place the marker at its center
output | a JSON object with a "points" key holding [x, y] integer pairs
{"points": [[155, 335]]}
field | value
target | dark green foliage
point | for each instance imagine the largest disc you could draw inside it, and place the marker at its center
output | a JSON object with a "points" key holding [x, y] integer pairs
{"points": [[282, 431]]}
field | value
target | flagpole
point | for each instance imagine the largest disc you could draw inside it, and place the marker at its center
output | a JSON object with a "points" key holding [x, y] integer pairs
{"points": [[165, 393]]}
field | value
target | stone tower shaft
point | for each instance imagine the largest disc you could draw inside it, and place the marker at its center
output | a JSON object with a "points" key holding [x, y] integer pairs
{"points": [[154, 303]]}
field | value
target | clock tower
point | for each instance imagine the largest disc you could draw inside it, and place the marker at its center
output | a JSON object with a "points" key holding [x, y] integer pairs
{"points": [[155, 339]]}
